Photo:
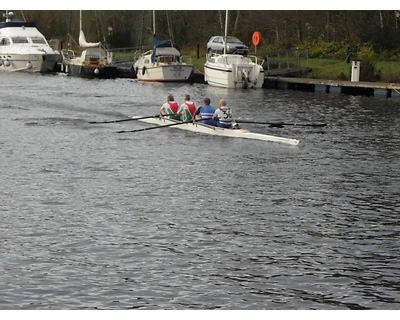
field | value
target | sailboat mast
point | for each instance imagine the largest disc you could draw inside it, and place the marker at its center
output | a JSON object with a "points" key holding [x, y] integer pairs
{"points": [[69, 31], [80, 20], [154, 21], [226, 31]]}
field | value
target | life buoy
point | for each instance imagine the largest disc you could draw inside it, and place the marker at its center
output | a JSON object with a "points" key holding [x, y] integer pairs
{"points": [[257, 38]]}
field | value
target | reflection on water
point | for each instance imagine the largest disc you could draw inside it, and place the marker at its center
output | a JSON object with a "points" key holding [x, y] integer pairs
{"points": [[168, 219]]}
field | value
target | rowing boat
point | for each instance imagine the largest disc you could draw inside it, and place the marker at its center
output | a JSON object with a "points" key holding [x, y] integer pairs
{"points": [[203, 128]]}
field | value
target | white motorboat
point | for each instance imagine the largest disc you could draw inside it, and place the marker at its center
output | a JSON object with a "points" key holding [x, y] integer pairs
{"points": [[231, 70], [164, 63], [92, 62], [24, 48], [206, 129]]}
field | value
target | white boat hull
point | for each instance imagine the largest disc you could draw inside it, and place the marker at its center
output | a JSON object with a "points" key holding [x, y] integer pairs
{"points": [[166, 68], [165, 73], [21, 62], [206, 129], [233, 71]]}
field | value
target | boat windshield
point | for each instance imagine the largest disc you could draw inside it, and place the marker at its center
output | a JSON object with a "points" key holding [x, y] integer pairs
{"points": [[20, 40], [38, 40], [4, 42]]}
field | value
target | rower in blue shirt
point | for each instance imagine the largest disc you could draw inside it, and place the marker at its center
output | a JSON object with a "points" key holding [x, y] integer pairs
{"points": [[205, 112]]}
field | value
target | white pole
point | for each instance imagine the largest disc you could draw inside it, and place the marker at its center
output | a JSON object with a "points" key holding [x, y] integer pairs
{"points": [[226, 30], [154, 21], [80, 20]]}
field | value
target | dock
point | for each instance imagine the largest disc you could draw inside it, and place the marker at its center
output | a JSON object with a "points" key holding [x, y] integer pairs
{"points": [[334, 86]]}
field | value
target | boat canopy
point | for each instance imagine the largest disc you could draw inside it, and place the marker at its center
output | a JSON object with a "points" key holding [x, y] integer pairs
{"points": [[16, 23], [163, 48], [167, 52], [157, 43]]}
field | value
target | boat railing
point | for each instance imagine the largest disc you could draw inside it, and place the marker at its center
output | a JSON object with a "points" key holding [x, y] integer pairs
{"points": [[186, 59], [55, 44], [128, 55], [68, 54]]}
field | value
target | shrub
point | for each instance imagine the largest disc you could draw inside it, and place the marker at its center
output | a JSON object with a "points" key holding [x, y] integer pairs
{"points": [[368, 71]]}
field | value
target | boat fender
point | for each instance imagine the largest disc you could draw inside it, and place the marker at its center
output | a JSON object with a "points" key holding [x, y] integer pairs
{"points": [[1, 62], [29, 65], [143, 70], [96, 71], [7, 63], [137, 70]]}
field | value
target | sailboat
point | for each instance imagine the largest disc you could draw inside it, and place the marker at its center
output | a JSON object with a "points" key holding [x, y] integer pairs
{"points": [[23, 48], [164, 63], [92, 62], [233, 70]]}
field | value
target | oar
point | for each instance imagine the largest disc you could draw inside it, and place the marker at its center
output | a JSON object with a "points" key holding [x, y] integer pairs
{"points": [[281, 124], [151, 128], [131, 119]]}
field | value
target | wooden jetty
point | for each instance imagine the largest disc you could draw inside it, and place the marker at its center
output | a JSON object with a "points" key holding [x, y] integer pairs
{"points": [[342, 86]]}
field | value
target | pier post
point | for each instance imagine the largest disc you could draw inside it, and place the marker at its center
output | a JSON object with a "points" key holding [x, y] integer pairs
{"points": [[355, 70]]}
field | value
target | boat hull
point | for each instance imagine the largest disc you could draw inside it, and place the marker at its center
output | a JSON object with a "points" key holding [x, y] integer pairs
{"points": [[164, 73], [12, 62], [206, 129], [101, 72]]}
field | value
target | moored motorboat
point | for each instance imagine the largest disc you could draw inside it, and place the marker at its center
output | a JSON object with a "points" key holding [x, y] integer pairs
{"points": [[23, 48], [212, 130], [233, 70]]}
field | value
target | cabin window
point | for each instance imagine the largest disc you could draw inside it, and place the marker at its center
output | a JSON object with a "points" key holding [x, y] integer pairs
{"points": [[38, 40], [4, 42], [20, 40]]}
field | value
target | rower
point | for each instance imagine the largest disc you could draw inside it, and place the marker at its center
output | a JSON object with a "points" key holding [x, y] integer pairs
{"points": [[205, 112], [170, 107], [187, 109], [223, 115]]}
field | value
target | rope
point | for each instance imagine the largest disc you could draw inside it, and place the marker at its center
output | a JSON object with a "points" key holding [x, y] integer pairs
{"points": [[393, 88], [170, 30]]}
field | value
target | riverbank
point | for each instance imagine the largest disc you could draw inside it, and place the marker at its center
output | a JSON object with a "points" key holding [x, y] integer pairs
{"points": [[365, 88]]}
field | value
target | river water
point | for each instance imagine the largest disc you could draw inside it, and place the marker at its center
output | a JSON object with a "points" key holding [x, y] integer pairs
{"points": [[169, 219]]}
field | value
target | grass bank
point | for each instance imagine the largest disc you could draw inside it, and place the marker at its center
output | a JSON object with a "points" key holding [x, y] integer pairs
{"points": [[385, 71]]}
